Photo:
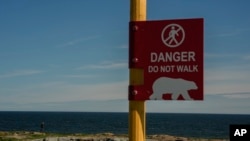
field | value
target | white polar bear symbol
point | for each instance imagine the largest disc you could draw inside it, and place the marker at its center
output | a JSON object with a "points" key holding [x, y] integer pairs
{"points": [[175, 86]]}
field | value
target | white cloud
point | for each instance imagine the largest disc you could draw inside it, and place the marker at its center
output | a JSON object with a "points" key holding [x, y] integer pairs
{"points": [[235, 70], [65, 92], [222, 88], [226, 75], [215, 55], [106, 65], [232, 31], [125, 46], [247, 57], [79, 76], [239, 95], [227, 34], [229, 82], [20, 73], [77, 41], [227, 55]]}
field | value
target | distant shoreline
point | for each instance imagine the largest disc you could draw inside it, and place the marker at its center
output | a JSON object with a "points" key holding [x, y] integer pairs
{"points": [[127, 112], [185, 125], [38, 136]]}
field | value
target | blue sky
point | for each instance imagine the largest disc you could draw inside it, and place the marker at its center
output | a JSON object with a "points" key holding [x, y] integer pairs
{"points": [[72, 55]]}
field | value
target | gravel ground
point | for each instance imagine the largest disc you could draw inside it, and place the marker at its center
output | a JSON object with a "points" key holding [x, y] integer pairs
{"points": [[37, 136]]}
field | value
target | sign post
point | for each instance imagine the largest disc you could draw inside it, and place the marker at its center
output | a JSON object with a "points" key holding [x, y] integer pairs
{"points": [[137, 108], [166, 62]]}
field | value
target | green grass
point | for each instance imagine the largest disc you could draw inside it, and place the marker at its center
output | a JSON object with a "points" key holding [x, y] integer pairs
{"points": [[7, 139]]}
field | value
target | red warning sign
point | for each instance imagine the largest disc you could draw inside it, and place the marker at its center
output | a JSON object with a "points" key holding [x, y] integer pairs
{"points": [[170, 52]]}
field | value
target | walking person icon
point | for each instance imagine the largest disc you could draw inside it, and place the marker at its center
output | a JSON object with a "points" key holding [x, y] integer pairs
{"points": [[172, 34], [176, 35]]}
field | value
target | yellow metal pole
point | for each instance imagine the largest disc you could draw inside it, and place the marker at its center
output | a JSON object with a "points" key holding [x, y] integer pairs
{"points": [[137, 108]]}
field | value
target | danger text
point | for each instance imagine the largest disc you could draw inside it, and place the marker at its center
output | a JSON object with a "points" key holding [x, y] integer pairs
{"points": [[185, 56]]}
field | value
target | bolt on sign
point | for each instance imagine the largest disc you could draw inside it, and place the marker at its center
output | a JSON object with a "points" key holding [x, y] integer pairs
{"points": [[171, 55]]}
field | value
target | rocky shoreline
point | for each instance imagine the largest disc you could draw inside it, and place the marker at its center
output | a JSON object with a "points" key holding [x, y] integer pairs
{"points": [[37, 136]]}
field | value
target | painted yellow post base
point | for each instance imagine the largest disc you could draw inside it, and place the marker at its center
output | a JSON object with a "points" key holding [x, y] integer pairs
{"points": [[136, 110], [137, 120]]}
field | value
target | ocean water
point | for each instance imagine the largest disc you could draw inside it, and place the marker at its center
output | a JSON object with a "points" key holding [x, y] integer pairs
{"points": [[189, 125]]}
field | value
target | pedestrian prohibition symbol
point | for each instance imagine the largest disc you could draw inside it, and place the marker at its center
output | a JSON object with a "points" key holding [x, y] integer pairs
{"points": [[173, 35]]}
